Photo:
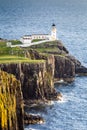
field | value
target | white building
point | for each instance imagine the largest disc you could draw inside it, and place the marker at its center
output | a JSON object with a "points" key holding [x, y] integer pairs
{"points": [[8, 44], [29, 38]]}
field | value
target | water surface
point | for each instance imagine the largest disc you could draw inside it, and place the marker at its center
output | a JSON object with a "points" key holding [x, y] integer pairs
{"points": [[20, 17]]}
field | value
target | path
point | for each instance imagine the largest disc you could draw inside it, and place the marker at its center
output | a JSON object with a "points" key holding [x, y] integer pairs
{"points": [[30, 44]]}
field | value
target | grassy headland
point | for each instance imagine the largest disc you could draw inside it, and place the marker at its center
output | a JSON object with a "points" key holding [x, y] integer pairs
{"points": [[14, 55], [18, 54], [15, 59], [54, 47]]}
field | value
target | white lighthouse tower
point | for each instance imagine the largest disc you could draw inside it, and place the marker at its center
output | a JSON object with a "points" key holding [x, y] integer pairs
{"points": [[54, 32]]}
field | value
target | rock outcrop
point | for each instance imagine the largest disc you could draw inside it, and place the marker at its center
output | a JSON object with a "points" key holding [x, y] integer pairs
{"points": [[79, 68], [64, 69], [62, 66], [11, 106], [36, 78], [32, 119], [66, 65]]}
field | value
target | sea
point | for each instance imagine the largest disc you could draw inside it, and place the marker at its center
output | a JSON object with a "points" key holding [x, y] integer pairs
{"points": [[23, 17]]}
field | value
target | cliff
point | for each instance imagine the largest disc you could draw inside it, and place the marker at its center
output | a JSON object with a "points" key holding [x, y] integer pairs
{"points": [[37, 79], [62, 66], [11, 109], [64, 69], [66, 66], [79, 68], [44, 64]]}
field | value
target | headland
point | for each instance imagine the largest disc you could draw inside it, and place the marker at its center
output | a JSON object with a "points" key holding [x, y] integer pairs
{"points": [[27, 76]]}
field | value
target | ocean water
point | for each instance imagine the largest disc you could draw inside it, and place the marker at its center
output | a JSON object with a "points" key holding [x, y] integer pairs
{"points": [[71, 113], [20, 17]]}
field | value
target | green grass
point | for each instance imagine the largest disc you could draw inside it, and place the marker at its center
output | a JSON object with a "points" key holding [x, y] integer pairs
{"points": [[62, 55], [17, 51], [15, 59], [37, 40], [2, 44], [17, 54], [48, 46], [52, 47], [47, 50], [15, 42]]}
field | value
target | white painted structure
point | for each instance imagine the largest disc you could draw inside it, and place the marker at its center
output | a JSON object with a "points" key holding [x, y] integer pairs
{"points": [[30, 44], [27, 39], [53, 33], [8, 44]]}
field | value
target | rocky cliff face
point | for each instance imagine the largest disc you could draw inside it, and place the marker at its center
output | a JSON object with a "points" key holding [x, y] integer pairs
{"points": [[79, 68], [36, 78], [37, 82], [11, 109], [64, 69], [62, 66], [66, 66]]}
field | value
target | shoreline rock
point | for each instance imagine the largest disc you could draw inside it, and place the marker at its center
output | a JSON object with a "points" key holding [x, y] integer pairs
{"points": [[32, 119], [79, 68]]}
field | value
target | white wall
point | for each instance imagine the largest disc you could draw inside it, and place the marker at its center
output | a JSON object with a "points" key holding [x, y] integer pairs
{"points": [[28, 40], [25, 41]]}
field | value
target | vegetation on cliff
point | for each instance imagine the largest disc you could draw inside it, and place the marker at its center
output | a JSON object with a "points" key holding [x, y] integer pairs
{"points": [[16, 59], [54, 47], [8, 102]]}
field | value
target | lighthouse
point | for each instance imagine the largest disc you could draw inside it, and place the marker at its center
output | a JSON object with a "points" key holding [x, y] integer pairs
{"points": [[27, 39], [54, 32]]}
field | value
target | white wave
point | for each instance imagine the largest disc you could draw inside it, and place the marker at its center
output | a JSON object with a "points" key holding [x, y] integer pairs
{"points": [[49, 103], [34, 114], [41, 122], [62, 100], [60, 81], [30, 129]]}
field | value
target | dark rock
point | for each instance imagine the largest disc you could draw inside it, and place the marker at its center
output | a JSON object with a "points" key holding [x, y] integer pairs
{"points": [[62, 66], [62, 47], [36, 79], [64, 69], [32, 119], [79, 69]]}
